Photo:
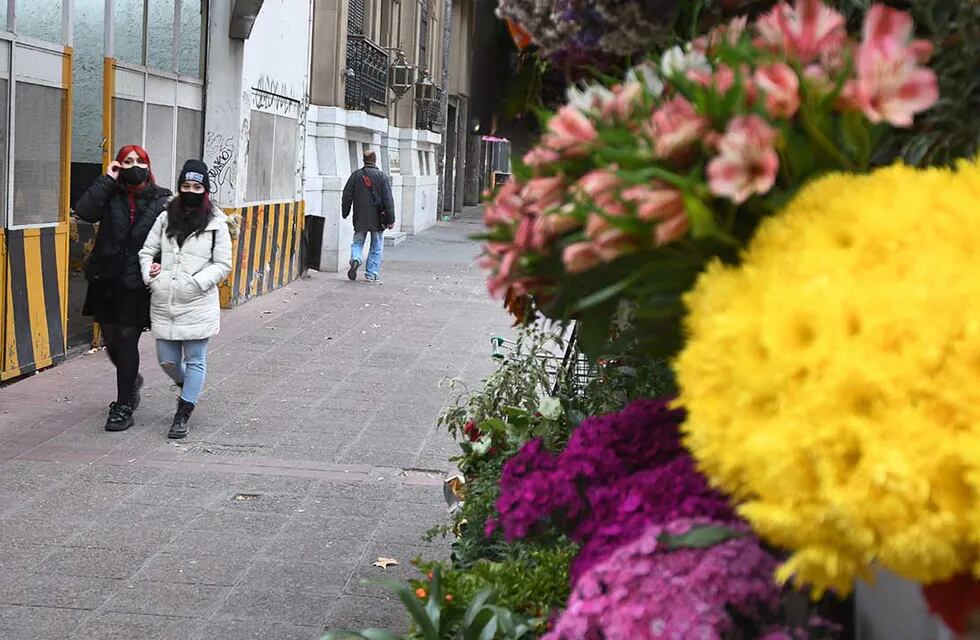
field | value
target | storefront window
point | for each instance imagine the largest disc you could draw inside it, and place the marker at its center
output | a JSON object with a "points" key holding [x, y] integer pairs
{"points": [[189, 125], [191, 19], [3, 15], [160, 143], [160, 40], [127, 25], [40, 19], [37, 154]]}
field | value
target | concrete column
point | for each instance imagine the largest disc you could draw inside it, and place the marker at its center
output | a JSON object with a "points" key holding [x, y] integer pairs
{"points": [[471, 188], [462, 134], [447, 38], [227, 111], [327, 79]]}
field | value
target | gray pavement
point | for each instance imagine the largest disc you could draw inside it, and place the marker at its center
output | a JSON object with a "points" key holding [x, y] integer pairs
{"points": [[313, 452]]}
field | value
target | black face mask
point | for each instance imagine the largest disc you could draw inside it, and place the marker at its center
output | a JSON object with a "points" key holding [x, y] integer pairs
{"points": [[134, 175], [191, 200]]}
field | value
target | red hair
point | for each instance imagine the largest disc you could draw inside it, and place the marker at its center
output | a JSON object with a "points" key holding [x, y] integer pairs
{"points": [[140, 153]]}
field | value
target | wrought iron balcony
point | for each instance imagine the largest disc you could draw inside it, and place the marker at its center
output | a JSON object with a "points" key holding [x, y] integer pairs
{"points": [[367, 76], [428, 113]]}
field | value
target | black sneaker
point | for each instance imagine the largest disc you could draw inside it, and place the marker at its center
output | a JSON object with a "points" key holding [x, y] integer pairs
{"points": [[135, 399], [120, 417], [352, 272]]}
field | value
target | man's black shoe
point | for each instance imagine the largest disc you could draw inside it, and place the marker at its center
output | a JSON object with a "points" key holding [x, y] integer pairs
{"points": [[352, 272]]}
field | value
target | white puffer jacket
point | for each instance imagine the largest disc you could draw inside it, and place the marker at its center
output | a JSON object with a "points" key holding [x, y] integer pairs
{"points": [[184, 302]]}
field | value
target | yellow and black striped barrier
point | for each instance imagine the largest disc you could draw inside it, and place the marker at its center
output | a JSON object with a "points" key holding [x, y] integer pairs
{"points": [[34, 280], [266, 252]]}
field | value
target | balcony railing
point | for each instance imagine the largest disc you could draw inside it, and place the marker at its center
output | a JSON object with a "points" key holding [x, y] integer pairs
{"points": [[367, 76], [428, 115]]}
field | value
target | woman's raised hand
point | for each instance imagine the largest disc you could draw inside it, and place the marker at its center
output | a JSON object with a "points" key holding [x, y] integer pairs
{"points": [[113, 170]]}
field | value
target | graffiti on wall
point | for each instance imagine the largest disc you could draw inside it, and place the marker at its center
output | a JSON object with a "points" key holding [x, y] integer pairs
{"points": [[220, 150]]}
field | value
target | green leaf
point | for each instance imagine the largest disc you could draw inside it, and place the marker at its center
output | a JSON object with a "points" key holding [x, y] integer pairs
{"points": [[699, 537], [418, 613], [483, 625], [603, 295], [703, 222], [479, 600]]}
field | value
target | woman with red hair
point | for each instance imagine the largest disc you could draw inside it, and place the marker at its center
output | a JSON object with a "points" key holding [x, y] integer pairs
{"points": [[125, 202]]}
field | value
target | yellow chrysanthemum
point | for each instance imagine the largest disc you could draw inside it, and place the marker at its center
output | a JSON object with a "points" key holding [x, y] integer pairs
{"points": [[833, 379]]}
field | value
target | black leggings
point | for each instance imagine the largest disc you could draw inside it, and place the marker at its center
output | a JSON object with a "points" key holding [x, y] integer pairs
{"points": [[123, 344]]}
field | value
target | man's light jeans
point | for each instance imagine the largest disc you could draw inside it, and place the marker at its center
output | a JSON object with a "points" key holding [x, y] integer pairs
{"points": [[373, 267]]}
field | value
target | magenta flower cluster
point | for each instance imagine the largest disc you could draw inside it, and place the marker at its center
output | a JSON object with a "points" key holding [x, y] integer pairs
{"points": [[643, 590], [619, 474]]}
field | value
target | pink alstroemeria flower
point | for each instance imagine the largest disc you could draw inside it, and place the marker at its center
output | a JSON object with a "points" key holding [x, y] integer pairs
{"points": [[580, 257], [598, 182], [541, 194], [804, 32], [747, 162], [671, 229], [506, 207], [614, 243], [675, 128], [782, 89], [890, 85], [570, 132], [499, 282], [658, 202], [626, 98], [541, 157]]}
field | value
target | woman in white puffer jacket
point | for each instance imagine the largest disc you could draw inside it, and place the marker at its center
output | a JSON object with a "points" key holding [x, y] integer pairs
{"points": [[193, 245]]}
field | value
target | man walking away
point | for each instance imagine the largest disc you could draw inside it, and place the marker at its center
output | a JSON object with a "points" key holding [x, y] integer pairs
{"points": [[369, 191]]}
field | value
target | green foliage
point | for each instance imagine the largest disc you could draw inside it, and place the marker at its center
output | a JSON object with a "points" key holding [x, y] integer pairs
{"points": [[436, 617], [532, 581]]}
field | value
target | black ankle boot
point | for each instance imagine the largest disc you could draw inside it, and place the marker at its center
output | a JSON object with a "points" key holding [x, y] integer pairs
{"points": [[179, 428], [120, 417]]}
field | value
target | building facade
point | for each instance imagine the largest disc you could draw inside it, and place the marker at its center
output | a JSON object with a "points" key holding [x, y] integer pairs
{"points": [[279, 97], [382, 75]]}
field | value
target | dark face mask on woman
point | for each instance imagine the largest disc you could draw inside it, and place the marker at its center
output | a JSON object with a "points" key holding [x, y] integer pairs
{"points": [[134, 175], [191, 200]]}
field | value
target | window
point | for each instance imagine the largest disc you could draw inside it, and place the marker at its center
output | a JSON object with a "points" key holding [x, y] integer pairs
{"points": [[3, 14], [37, 154], [190, 123], [261, 137], [40, 19], [128, 122], [160, 143], [284, 160], [352, 149], [127, 26], [271, 157], [160, 36], [191, 33]]}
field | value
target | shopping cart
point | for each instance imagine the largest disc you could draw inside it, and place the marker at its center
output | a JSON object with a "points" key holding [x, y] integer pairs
{"points": [[569, 371]]}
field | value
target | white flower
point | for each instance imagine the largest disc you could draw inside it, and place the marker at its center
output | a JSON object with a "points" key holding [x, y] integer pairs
{"points": [[646, 75], [677, 63], [587, 98]]}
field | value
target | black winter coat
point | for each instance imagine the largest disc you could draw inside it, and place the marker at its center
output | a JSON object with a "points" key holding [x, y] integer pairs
{"points": [[366, 216], [115, 256]]}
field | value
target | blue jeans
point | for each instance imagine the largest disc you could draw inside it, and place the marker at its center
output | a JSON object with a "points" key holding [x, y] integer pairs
{"points": [[185, 362], [373, 268]]}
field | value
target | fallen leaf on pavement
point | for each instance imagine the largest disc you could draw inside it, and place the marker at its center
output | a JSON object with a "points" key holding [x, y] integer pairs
{"points": [[384, 563]]}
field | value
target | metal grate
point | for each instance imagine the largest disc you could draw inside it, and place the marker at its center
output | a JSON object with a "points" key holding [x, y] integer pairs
{"points": [[355, 18], [367, 75], [424, 35]]}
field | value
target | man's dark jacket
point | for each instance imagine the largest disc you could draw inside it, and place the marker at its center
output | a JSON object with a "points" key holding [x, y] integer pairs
{"points": [[356, 193]]}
